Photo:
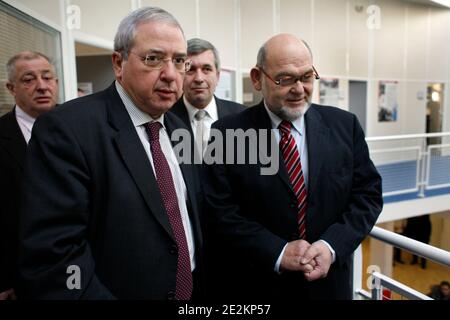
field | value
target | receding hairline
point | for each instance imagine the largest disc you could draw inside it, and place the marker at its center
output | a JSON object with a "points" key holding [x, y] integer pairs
{"points": [[125, 36], [262, 53], [27, 56]]}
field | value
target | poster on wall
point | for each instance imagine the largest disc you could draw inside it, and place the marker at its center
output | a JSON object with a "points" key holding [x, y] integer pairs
{"points": [[329, 91], [387, 101], [224, 89]]}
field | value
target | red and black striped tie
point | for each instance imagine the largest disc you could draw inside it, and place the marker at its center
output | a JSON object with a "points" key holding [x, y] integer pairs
{"points": [[291, 158]]}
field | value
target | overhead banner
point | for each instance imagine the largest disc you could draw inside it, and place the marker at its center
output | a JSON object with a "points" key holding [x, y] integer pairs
{"points": [[387, 101]]}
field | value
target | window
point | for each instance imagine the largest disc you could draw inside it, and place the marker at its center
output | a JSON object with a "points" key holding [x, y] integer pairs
{"points": [[21, 32]]}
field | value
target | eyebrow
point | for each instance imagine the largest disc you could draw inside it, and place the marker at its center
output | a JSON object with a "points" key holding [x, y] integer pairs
{"points": [[162, 52], [33, 73], [290, 74], [204, 65]]}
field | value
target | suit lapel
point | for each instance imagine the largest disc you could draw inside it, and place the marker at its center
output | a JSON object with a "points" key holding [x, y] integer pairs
{"points": [[135, 158], [317, 135], [221, 109], [180, 110], [13, 139]]}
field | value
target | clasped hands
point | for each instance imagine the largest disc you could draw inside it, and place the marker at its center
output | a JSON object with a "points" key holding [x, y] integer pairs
{"points": [[314, 260]]}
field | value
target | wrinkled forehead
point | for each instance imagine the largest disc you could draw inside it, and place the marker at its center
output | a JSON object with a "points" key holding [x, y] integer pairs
{"points": [[293, 54], [33, 66], [159, 35]]}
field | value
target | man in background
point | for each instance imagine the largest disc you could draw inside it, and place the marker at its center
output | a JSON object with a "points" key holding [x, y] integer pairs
{"points": [[33, 83], [199, 107]]}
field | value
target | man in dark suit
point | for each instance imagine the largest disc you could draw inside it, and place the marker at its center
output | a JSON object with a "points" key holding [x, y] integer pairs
{"points": [[199, 107], [108, 211], [33, 83], [291, 235]]}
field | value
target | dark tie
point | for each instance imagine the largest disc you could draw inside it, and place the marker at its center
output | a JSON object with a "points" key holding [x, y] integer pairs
{"points": [[167, 188], [291, 158]]}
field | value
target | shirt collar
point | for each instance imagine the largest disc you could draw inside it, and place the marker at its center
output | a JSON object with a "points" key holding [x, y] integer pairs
{"points": [[211, 109], [24, 117], [138, 117], [298, 124]]}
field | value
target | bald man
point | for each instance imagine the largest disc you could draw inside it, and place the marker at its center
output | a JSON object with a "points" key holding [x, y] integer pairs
{"points": [[291, 235]]}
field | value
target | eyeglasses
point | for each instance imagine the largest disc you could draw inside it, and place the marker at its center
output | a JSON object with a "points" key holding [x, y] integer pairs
{"points": [[156, 61], [287, 81]]}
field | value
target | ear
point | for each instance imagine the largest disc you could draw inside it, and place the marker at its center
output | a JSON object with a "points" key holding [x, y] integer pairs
{"points": [[10, 88], [218, 75], [117, 62], [255, 75]]}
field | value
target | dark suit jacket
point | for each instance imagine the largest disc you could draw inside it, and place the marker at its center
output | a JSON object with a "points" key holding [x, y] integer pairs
{"points": [[91, 200], [253, 216], [12, 156], [224, 108]]}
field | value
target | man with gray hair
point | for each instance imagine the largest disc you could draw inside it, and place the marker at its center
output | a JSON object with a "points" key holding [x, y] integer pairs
{"points": [[33, 83], [199, 107], [108, 212]]}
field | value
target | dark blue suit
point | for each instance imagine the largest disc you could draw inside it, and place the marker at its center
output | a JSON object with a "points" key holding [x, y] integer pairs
{"points": [[12, 156], [253, 216]]}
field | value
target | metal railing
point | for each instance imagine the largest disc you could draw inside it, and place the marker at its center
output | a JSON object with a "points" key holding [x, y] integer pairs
{"points": [[412, 163], [377, 280]]}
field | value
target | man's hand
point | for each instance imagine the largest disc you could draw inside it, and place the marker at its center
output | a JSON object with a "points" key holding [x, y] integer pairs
{"points": [[321, 254], [292, 256], [8, 295]]}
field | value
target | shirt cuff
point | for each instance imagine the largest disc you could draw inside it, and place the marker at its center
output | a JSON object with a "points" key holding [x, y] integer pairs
{"points": [[278, 263], [333, 253]]}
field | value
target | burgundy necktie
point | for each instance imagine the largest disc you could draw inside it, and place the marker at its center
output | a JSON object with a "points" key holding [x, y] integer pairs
{"points": [[291, 158], [167, 188]]}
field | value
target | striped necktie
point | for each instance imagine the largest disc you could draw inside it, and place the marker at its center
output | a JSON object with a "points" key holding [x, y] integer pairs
{"points": [[291, 158]]}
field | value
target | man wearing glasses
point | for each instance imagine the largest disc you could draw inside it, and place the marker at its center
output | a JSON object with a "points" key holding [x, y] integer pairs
{"points": [[33, 84], [108, 212], [291, 235]]}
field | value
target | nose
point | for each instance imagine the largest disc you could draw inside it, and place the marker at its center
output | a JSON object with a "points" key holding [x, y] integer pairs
{"points": [[42, 84], [198, 76], [169, 72], [297, 87]]}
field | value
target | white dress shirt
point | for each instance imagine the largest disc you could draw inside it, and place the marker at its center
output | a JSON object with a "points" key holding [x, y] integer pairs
{"points": [[25, 122], [298, 131], [210, 117], [139, 119]]}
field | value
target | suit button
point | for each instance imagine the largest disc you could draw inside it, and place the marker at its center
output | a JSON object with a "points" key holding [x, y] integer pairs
{"points": [[173, 249], [293, 205], [171, 295]]}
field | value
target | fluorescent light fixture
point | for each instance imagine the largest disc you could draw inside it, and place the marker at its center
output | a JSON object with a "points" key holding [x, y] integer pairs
{"points": [[445, 3]]}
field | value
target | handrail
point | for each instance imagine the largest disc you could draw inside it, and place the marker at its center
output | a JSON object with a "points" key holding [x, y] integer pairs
{"points": [[380, 280], [409, 136], [414, 246]]}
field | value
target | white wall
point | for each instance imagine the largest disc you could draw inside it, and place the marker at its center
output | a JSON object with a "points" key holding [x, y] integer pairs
{"points": [[101, 18], [49, 10], [411, 47]]}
